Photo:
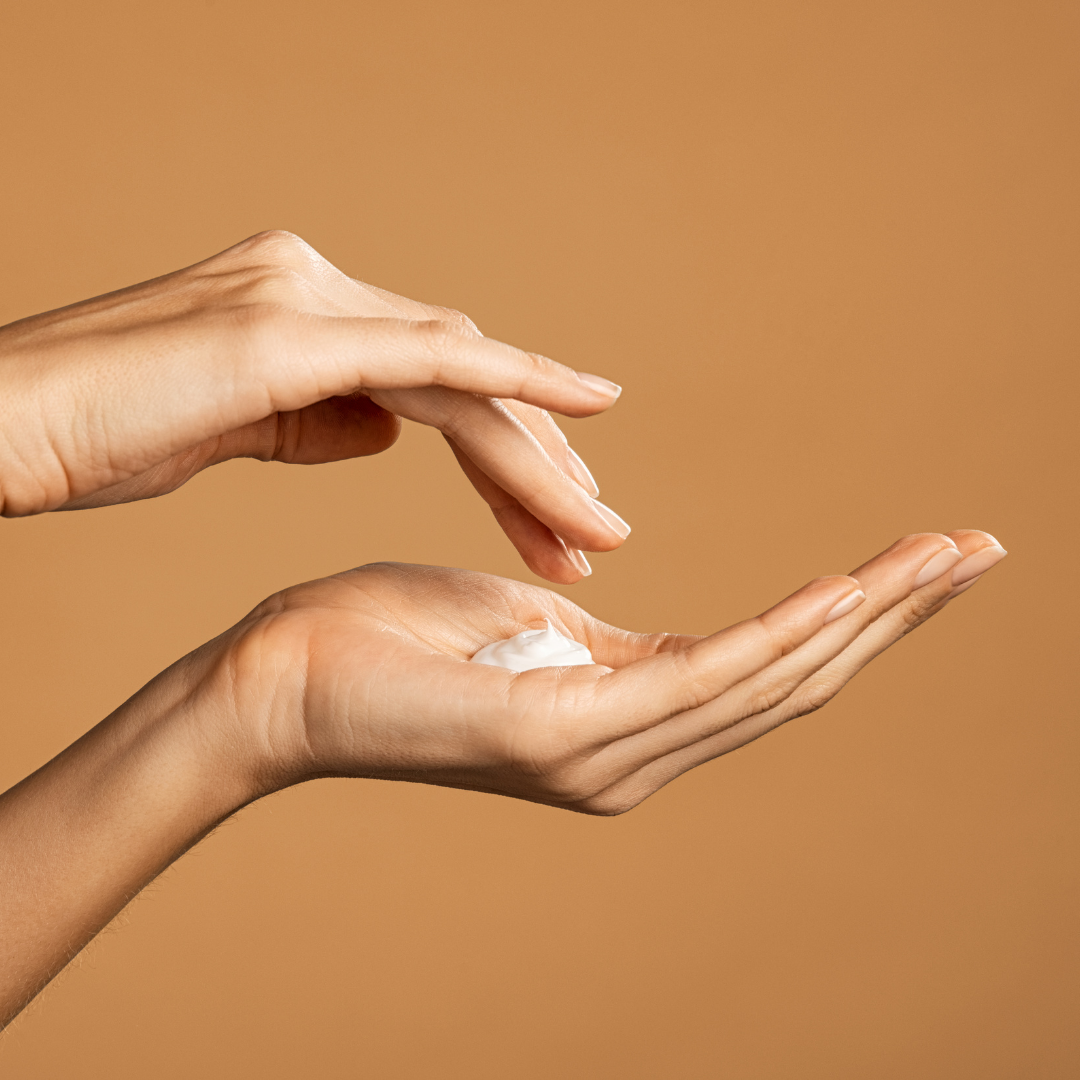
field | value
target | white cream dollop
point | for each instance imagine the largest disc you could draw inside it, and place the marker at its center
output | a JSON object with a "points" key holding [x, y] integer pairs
{"points": [[534, 649]]}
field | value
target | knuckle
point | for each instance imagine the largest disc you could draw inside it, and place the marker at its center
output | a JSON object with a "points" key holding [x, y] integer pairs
{"points": [[436, 342], [780, 639], [695, 693], [767, 698], [275, 282], [456, 318], [537, 367], [265, 282], [438, 336], [278, 245], [916, 610], [815, 696]]}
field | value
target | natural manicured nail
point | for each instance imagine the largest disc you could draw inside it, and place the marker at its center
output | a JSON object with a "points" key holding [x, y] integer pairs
{"points": [[580, 471], [937, 566], [611, 519], [579, 560], [848, 604], [600, 385], [977, 563]]}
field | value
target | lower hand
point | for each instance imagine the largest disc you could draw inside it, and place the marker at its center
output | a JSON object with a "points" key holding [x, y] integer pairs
{"points": [[363, 674], [366, 674]]}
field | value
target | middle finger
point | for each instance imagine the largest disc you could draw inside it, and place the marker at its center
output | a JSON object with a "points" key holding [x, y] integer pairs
{"points": [[728, 687], [500, 444]]}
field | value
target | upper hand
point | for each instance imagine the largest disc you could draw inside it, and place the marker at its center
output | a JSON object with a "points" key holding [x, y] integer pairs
{"points": [[365, 674], [268, 351]]}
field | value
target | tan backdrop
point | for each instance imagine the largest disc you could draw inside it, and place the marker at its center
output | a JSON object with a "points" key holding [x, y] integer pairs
{"points": [[830, 249]]}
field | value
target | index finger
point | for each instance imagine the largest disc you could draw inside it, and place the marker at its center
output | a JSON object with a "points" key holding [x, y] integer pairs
{"points": [[303, 358], [648, 692]]}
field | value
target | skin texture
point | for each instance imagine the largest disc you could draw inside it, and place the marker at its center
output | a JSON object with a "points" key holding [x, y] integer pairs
{"points": [[366, 674], [268, 351]]}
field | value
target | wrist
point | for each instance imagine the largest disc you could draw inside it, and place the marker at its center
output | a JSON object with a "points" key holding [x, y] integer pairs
{"points": [[85, 833], [193, 728], [238, 703]]}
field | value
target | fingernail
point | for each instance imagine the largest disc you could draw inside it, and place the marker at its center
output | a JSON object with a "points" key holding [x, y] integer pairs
{"points": [[600, 385], [963, 588], [581, 472], [977, 563], [937, 566], [611, 519], [849, 603], [579, 560]]}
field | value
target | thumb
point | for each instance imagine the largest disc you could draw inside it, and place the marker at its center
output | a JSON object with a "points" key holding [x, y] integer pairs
{"points": [[335, 429]]}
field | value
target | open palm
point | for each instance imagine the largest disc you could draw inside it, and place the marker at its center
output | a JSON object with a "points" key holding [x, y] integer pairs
{"points": [[366, 674]]}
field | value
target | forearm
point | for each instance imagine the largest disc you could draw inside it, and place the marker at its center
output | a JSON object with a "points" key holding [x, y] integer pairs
{"points": [[86, 832]]}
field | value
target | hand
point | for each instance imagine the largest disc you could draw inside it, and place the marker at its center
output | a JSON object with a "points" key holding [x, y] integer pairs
{"points": [[362, 674], [365, 674], [268, 351]]}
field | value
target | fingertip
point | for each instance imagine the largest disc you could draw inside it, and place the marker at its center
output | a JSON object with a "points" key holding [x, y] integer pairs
{"points": [[599, 385], [385, 429], [978, 562], [557, 574], [922, 546], [552, 558], [578, 559]]}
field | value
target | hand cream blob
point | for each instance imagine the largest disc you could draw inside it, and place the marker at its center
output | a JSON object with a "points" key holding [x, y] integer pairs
{"points": [[534, 649]]}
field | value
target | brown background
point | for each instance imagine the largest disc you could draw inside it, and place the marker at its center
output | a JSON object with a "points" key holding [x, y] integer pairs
{"points": [[830, 250]]}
